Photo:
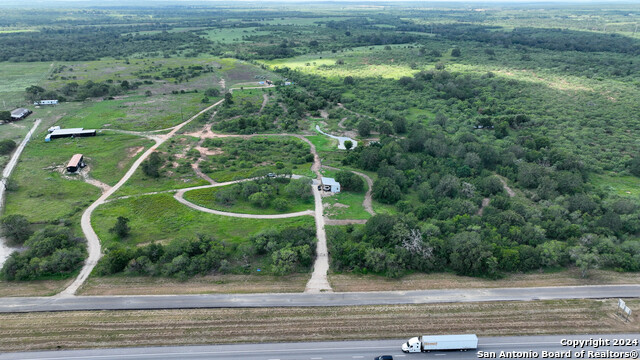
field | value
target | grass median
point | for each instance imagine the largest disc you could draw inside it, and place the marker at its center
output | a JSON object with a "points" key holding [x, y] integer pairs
{"points": [[100, 329]]}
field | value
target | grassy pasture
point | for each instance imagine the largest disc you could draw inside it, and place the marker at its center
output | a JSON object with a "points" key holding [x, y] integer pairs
{"points": [[162, 218], [46, 193], [136, 112], [16, 77]]}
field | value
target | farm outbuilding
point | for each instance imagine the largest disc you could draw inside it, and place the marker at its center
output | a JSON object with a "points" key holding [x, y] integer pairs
{"points": [[76, 162], [74, 132], [329, 184], [46, 102], [20, 113]]}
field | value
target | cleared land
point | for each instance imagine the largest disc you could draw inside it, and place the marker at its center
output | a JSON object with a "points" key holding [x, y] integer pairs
{"points": [[571, 277], [82, 329]]}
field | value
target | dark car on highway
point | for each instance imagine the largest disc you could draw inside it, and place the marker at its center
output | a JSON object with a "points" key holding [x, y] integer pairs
{"points": [[383, 357]]}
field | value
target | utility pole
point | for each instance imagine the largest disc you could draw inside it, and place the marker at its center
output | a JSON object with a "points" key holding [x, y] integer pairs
{"points": [[635, 30]]}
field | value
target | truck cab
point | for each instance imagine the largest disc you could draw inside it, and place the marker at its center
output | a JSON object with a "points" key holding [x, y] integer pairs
{"points": [[412, 346]]}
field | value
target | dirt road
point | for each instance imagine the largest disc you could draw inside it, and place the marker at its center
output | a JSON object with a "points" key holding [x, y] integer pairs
{"points": [[319, 282], [180, 197], [5, 251], [506, 187]]}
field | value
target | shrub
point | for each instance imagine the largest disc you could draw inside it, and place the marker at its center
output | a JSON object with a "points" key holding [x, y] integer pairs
{"points": [[16, 227], [7, 146]]}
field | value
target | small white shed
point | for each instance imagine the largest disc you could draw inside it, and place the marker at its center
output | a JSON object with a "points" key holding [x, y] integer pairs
{"points": [[330, 184]]}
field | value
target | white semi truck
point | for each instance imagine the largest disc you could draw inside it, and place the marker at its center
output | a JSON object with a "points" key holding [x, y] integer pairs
{"points": [[440, 342]]}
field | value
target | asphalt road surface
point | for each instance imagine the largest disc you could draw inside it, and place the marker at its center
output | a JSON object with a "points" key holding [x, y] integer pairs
{"points": [[32, 304], [344, 350]]}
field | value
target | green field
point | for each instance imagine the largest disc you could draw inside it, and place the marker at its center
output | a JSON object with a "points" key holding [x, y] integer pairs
{"points": [[136, 112], [161, 218], [15, 77], [46, 193]]}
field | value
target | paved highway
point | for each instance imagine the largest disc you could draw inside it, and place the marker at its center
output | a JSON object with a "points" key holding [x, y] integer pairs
{"points": [[33, 304], [344, 350]]}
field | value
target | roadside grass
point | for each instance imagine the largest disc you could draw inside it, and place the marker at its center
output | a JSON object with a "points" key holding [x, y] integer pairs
{"points": [[626, 186], [105, 329], [206, 198], [209, 284], [46, 193], [48, 287], [346, 282], [162, 218]]}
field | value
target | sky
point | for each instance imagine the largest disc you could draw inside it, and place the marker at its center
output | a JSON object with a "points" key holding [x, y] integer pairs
{"points": [[407, 3]]}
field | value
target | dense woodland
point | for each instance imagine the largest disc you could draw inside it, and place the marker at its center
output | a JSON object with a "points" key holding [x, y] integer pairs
{"points": [[493, 175]]}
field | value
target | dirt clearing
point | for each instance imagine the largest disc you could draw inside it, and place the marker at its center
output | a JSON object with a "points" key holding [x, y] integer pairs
{"points": [[131, 153], [101, 329]]}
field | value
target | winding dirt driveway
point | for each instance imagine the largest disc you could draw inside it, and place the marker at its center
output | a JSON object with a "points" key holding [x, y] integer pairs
{"points": [[179, 195]]}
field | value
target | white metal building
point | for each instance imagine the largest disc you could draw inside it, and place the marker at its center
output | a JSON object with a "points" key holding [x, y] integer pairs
{"points": [[330, 184]]}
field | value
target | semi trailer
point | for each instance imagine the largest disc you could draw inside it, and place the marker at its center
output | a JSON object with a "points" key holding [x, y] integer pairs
{"points": [[440, 342]]}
